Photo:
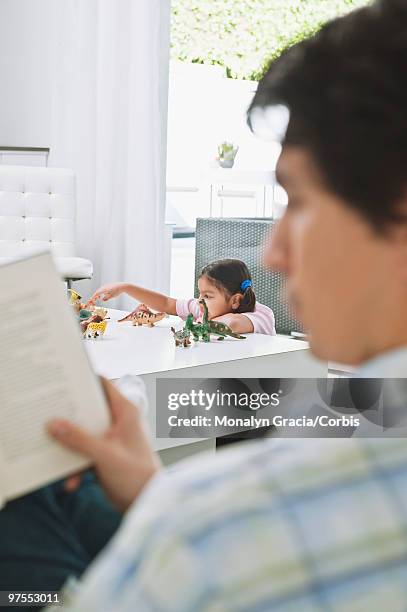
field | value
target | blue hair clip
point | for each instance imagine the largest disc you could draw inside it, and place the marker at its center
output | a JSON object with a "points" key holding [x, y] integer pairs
{"points": [[245, 284]]}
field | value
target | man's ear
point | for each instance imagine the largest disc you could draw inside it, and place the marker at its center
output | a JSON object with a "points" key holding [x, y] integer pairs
{"points": [[235, 300]]}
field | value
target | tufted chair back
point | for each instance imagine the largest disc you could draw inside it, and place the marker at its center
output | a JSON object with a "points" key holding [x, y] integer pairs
{"points": [[37, 210], [37, 213]]}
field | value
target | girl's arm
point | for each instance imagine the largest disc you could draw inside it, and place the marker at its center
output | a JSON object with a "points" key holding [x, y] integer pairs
{"points": [[238, 323], [157, 301]]}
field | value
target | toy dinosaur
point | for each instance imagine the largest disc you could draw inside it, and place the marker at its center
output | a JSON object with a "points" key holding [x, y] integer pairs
{"points": [[84, 314], [94, 318], [85, 310], [91, 318], [217, 327], [132, 315], [143, 316], [207, 328], [74, 297], [198, 330], [182, 337], [95, 330], [75, 300], [101, 312]]}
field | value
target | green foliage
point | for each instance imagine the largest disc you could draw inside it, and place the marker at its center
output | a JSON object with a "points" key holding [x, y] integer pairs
{"points": [[242, 35], [227, 150]]}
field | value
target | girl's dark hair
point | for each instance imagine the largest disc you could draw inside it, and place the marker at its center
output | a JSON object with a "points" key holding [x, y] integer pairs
{"points": [[228, 275]]}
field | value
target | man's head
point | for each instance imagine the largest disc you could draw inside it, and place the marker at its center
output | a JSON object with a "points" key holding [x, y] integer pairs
{"points": [[343, 239]]}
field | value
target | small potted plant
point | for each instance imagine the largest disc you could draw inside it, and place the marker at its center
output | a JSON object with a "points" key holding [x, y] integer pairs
{"points": [[226, 154]]}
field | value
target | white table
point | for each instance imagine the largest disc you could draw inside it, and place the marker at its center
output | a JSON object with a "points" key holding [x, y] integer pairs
{"points": [[151, 354]]}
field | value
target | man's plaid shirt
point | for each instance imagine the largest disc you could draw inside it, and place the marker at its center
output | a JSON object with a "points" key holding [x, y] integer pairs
{"points": [[278, 525], [290, 525]]}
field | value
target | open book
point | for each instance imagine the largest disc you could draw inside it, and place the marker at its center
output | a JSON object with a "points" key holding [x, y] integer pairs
{"points": [[44, 373]]}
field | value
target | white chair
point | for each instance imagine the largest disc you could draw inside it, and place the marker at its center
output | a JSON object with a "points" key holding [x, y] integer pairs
{"points": [[37, 213], [232, 183]]}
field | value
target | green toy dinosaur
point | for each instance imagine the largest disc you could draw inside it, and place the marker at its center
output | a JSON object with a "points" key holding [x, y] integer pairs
{"points": [[197, 329], [216, 327], [206, 328]]}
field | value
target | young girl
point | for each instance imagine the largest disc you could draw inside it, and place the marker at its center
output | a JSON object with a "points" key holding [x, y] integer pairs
{"points": [[226, 287]]}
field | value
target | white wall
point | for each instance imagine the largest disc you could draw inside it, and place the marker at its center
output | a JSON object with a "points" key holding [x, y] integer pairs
{"points": [[26, 71], [204, 109]]}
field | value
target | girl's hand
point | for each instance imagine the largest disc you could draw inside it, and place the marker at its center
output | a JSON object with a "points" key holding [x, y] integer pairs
{"points": [[107, 292], [238, 323]]}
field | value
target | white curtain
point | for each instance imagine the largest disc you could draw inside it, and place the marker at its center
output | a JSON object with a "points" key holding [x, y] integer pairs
{"points": [[109, 124]]}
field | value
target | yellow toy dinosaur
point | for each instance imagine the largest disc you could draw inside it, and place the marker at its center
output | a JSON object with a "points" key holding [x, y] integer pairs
{"points": [[95, 330]]}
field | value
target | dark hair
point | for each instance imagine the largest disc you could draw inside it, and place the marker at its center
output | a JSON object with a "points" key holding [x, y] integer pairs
{"points": [[346, 90], [228, 275]]}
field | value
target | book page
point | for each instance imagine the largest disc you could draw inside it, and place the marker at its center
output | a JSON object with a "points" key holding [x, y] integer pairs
{"points": [[3, 480], [44, 373]]}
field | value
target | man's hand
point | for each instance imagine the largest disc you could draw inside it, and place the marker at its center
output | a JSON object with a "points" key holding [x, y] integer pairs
{"points": [[123, 458]]}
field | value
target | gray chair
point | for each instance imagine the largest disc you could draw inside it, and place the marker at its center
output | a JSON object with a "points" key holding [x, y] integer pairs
{"points": [[243, 238]]}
